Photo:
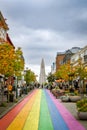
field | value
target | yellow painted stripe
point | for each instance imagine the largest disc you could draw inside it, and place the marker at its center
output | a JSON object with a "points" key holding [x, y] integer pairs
{"points": [[33, 118], [20, 119]]}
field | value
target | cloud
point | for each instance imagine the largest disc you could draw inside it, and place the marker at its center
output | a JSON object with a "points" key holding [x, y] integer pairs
{"points": [[41, 3], [59, 15], [43, 43], [44, 27], [36, 43]]}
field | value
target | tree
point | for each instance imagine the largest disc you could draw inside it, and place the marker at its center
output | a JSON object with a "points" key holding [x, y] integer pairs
{"points": [[51, 77], [7, 59], [30, 76], [19, 62], [63, 72], [81, 70], [11, 61]]}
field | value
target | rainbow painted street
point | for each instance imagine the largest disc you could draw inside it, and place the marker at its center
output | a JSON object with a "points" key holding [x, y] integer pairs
{"points": [[40, 110]]}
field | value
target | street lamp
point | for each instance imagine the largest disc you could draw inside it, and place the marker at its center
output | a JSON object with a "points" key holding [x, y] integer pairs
{"points": [[71, 75], [25, 73], [15, 84], [2, 87]]}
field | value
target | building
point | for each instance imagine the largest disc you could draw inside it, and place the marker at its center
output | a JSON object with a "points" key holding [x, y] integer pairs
{"points": [[9, 41], [42, 78], [64, 57], [3, 29], [4, 37], [79, 61], [69, 53], [59, 59], [82, 56]]}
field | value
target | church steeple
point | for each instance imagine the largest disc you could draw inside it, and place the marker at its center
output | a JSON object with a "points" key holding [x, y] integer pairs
{"points": [[42, 78]]}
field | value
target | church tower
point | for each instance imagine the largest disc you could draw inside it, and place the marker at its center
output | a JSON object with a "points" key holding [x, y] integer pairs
{"points": [[42, 78]]}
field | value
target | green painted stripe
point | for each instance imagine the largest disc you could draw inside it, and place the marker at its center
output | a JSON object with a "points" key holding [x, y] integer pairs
{"points": [[45, 122]]}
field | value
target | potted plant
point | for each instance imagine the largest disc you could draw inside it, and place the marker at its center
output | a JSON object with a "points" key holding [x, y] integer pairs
{"points": [[82, 108], [10, 96], [75, 98]]}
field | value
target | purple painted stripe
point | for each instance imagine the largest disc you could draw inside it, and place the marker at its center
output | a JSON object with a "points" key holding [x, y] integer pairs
{"points": [[72, 123]]}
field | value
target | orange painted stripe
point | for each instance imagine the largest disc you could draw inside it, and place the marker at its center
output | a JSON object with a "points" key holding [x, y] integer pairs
{"points": [[9, 117], [20, 119], [33, 117]]}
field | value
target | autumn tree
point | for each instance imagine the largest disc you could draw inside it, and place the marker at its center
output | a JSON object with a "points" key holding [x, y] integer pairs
{"points": [[81, 70], [81, 74], [7, 59], [19, 62], [30, 76], [11, 60], [65, 71]]}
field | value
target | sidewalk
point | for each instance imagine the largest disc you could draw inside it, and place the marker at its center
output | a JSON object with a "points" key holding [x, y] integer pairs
{"points": [[9, 105], [71, 106]]}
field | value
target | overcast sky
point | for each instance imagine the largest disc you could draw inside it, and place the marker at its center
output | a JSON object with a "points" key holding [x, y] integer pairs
{"points": [[44, 27]]}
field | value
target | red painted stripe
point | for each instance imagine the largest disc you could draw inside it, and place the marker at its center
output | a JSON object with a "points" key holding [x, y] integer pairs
{"points": [[8, 118]]}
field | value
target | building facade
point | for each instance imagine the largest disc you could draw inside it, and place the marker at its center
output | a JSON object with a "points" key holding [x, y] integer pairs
{"points": [[3, 28], [59, 59], [64, 57], [82, 56], [42, 78], [4, 37]]}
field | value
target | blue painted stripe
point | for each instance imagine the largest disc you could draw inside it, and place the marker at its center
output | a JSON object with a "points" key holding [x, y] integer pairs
{"points": [[57, 119]]}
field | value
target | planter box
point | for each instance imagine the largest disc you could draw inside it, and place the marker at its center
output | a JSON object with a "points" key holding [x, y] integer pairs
{"points": [[64, 98], [75, 98], [82, 115]]}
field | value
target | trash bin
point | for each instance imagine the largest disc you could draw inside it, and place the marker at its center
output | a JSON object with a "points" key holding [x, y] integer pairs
{"points": [[11, 97]]}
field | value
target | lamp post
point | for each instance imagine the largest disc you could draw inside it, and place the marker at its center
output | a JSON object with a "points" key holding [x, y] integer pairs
{"points": [[15, 84], [71, 75], [25, 73], [16, 87], [2, 86]]}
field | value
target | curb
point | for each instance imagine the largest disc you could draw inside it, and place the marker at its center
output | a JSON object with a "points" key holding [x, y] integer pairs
{"points": [[15, 104]]}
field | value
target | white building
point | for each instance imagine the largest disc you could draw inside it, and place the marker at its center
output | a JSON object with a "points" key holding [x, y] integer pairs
{"points": [[81, 55]]}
